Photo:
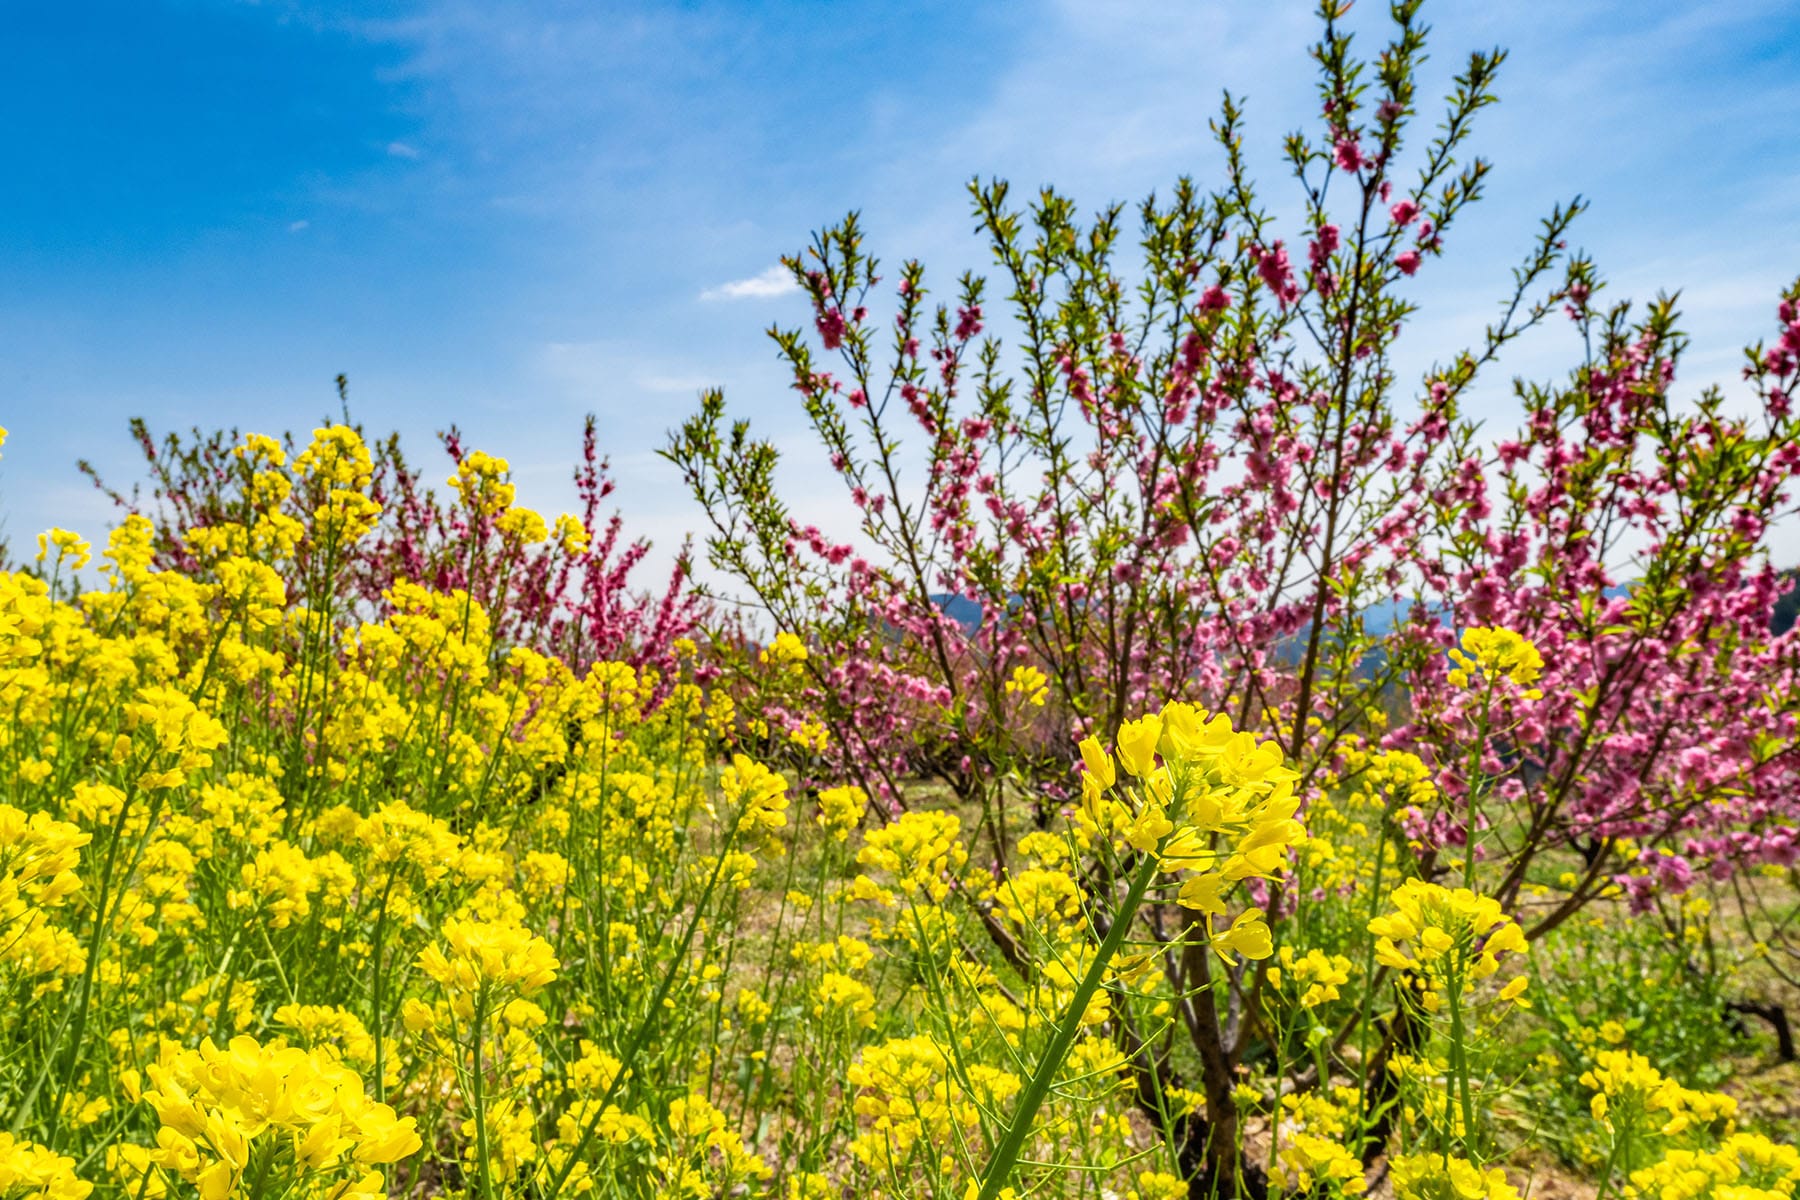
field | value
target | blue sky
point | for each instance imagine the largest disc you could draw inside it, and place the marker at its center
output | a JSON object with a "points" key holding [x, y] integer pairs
{"points": [[507, 213]]}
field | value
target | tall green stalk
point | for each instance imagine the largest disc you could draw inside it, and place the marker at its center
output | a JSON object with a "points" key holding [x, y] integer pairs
{"points": [[1037, 1088]]}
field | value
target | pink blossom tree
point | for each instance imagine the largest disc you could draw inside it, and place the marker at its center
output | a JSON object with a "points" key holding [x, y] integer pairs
{"points": [[1200, 476]]}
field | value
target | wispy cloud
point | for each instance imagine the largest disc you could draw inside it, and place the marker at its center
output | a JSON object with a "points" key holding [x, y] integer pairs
{"points": [[585, 371], [776, 281], [402, 150], [299, 226]]}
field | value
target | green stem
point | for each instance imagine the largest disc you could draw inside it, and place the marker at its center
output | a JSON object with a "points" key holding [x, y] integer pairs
{"points": [[481, 1132], [1459, 1068], [257, 1185], [1606, 1174], [377, 1012], [1368, 980], [105, 905], [1006, 1155], [652, 1017]]}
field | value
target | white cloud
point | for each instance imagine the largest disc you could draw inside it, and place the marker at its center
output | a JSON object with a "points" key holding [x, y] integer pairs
{"points": [[402, 150], [298, 226], [776, 281]]}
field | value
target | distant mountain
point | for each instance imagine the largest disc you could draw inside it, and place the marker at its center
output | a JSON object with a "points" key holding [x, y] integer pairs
{"points": [[961, 609], [1379, 619], [1787, 609]]}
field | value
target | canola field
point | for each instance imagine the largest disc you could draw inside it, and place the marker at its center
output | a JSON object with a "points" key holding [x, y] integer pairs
{"points": [[302, 896]]}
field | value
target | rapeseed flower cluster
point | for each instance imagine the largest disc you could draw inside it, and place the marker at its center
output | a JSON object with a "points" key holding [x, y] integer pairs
{"points": [[1314, 977], [1213, 806], [1316, 1132], [1673, 1142], [489, 956], [915, 1100], [280, 1115], [921, 851], [1497, 654], [32, 1172], [841, 810], [1629, 1091], [1447, 1177], [38, 857], [786, 650], [1030, 685], [1451, 937], [1744, 1166]]}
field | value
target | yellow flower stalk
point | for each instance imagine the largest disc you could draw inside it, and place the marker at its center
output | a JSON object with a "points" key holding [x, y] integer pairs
{"points": [[1219, 808]]}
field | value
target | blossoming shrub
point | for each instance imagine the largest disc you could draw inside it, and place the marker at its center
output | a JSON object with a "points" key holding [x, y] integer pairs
{"points": [[561, 586], [1172, 459]]}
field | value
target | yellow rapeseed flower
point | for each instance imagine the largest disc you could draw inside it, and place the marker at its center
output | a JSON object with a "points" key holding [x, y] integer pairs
{"points": [[1137, 745], [71, 548], [32, 1172], [1446, 1177], [218, 1106], [785, 650], [1029, 684], [1451, 935], [1498, 654], [489, 954]]}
